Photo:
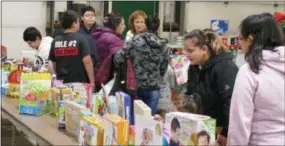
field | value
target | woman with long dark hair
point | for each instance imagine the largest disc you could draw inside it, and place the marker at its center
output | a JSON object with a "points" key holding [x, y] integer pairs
{"points": [[211, 76], [257, 106]]}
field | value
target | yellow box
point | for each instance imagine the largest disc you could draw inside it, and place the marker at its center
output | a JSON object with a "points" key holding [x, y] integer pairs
{"points": [[116, 130], [91, 131]]}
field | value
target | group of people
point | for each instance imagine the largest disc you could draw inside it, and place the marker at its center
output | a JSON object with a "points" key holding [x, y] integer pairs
{"points": [[247, 102]]}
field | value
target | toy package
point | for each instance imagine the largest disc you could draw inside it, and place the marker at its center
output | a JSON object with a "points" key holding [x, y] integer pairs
{"points": [[132, 135], [189, 129], [116, 130], [3, 54], [180, 65], [73, 114], [91, 131], [140, 108], [58, 95], [4, 81], [113, 105], [124, 106], [148, 131], [97, 104], [35, 93], [84, 90], [14, 82]]}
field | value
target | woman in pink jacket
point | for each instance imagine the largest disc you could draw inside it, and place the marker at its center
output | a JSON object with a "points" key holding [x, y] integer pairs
{"points": [[257, 105]]}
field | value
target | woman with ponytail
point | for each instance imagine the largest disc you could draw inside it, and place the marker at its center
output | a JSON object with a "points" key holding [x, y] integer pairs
{"points": [[107, 42], [211, 75]]}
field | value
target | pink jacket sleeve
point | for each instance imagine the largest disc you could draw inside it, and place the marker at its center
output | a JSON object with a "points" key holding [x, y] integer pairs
{"points": [[242, 108]]}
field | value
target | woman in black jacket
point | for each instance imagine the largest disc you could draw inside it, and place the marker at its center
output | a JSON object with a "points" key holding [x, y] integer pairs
{"points": [[211, 75]]}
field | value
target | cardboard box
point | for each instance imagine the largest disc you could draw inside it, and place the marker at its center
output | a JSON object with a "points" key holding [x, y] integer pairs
{"points": [[148, 131], [116, 130], [91, 131], [35, 94], [73, 114], [124, 106], [190, 129]]}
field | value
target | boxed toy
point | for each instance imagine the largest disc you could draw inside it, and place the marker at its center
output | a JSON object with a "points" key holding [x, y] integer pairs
{"points": [[73, 114], [124, 106], [58, 95], [97, 104], [132, 135], [116, 130], [190, 129], [3, 54], [148, 131], [14, 82], [140, 108], [35, 93], [91, 131], [84, 90]]}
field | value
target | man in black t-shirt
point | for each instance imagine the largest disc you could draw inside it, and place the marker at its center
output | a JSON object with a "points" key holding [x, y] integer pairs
{"points": [[70, 52]]}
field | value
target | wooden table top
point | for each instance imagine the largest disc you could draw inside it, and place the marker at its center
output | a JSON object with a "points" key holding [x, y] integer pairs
{"points": [[44, 126]]}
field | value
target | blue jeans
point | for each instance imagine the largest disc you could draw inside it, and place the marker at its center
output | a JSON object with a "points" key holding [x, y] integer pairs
{"points": [[150, 98]]}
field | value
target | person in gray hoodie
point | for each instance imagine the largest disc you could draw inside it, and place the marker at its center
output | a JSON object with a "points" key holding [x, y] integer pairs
{"points": [[148, 54]]}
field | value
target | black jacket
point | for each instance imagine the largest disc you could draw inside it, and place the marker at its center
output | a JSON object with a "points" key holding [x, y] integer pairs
{"points": [[214, 82]]}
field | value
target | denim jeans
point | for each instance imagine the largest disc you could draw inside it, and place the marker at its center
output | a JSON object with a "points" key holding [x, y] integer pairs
{"points": [[150, 98]]}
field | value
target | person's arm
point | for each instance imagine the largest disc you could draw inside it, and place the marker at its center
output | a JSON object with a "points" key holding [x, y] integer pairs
{"points": [[224, 78], [87, 60], [119, 57], [242, 108], [54, 67], [51, 57], [88, 64], [164, 61]]}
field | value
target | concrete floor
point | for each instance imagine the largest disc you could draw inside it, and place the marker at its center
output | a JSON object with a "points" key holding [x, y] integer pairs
{"points": [[6, 135]]}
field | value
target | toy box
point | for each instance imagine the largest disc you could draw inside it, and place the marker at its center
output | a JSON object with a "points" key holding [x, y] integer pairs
{"points": [[84, 90], [35, 93], [73, 114], [3, 54], [91, 131], [132, 135], [14, 82], [124, 106], [190, 129], [97, 104], [113, 105], [116, 130], [148, 131], [140, 108], [60, 94]]}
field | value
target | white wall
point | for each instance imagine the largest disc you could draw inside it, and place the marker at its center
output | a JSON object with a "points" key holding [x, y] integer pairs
{"points": [[199, 14], [59, 7], [16, 17]]}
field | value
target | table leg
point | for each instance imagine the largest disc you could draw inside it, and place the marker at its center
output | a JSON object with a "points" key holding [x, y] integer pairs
{"points": [[13, 135]]}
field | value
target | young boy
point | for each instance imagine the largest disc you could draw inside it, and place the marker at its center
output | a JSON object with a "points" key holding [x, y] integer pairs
{"points": [[175, 132], [203, 138], [70, 52], [41, 45]]}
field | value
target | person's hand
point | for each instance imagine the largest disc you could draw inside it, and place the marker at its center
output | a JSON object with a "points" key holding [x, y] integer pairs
{"points": [[222, 140]]}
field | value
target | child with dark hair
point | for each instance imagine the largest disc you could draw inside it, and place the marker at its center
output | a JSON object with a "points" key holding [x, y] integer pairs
{"points": [[70, 52], [203, 138], [175, 132], [32, 36], [88, 25]]}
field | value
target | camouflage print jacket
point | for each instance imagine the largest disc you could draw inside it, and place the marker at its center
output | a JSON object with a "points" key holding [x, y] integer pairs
{"points": [[149, 57]]}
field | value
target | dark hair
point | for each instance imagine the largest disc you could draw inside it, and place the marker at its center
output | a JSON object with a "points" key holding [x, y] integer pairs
{"points": [[266, 36], [208, 38], [67, 18], [204, 133], [31, 34], [174, 124], [152, 23], [112, 20], [188, 104], [85, 9]]}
